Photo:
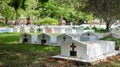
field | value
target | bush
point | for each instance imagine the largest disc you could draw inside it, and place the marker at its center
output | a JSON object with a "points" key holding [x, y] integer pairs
{"points": [[47, 21], [2, 24], [87, 28], [99, 30]]}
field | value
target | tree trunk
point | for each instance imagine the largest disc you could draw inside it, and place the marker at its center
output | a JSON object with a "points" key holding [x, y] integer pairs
{"points": [[28, 21], [6, 20], [16, 21], [107, 26]]}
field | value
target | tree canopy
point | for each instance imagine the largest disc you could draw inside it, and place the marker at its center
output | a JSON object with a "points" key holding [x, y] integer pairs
{"points": [[105, 9]]}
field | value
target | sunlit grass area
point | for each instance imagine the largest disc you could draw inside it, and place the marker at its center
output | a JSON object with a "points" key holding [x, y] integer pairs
{"points": [[9, 37]]}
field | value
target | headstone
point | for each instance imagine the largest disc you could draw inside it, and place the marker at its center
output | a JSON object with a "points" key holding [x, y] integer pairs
{"points": [[16, 29], [48, 30], [39, 30], [63, 38], [25, 38], [22, 29], [57, 30], [79, 30], [68, 31], [44, 39], [88, 52], [32, 30], [34, 39], [4, 30], [88, 36]]}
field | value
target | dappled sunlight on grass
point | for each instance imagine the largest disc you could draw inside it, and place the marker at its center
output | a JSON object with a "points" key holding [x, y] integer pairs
{"points": [[21, 54], [9, 37]]}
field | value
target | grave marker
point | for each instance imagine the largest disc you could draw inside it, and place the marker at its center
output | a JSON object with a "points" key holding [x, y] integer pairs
{"points": [[63, 38], [88, 36], [73, 53], [44, 39], [89, 52], [48, 30], [25, 38]]}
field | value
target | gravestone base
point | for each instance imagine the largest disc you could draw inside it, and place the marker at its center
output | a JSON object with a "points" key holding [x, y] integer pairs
{"points": [[91, 61]]}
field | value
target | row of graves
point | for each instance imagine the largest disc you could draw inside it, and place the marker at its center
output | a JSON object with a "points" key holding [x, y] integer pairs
{"points": [[48, 29], [4, 30], [45, 29], [84, 48]]}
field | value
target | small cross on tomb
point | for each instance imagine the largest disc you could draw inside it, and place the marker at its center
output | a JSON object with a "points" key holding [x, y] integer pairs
{"points": [[43, 41], [88, 34], [64, 38], [73, 46], [25, 39], [43, 37], [25, 35]]}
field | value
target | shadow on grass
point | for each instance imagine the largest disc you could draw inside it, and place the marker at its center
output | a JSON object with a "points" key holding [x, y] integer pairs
{"points": [[21, 55]]}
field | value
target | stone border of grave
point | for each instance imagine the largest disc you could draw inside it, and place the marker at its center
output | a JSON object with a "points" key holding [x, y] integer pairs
{"points": [[91, 61]]}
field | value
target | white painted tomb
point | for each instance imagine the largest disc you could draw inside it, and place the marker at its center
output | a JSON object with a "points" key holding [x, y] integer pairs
{"points": [[79, 30], [88, 36], [34, 39], [25, 38], [68, 30], [89, 52], [63, 38], [44, 39]]}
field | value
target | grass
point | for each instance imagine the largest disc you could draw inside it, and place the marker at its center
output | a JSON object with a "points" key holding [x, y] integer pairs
{"points": [[21, 55], [9, 37]]}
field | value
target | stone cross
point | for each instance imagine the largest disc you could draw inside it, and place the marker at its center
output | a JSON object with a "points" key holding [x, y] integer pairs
{"points": [[64, 38], [43, 37], [25, 35], [73, 46], [88, 34]]}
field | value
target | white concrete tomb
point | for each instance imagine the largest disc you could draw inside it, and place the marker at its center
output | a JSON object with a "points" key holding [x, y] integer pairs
{"points": [[44, 39], [89, 51], [88, 36], [63, 38], [25, 38]]}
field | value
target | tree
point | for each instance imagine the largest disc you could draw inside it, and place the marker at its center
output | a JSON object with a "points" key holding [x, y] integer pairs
{"points": [[6, 11], [17, 4], [105, 9]]}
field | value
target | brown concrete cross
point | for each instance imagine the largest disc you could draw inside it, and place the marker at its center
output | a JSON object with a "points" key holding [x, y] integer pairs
{"points": [[73, 46]]}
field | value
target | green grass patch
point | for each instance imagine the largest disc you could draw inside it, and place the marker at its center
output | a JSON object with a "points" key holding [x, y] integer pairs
{"points": [[9, 37]]}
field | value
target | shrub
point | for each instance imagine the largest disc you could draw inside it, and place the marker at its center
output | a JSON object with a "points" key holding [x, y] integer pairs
{"points": [[99, 30], [47, 21], [87, 28]]}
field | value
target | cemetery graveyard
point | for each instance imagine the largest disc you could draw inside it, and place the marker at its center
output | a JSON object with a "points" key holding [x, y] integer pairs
{"points": [[85, 47], [81, 47], [59, 33]]}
